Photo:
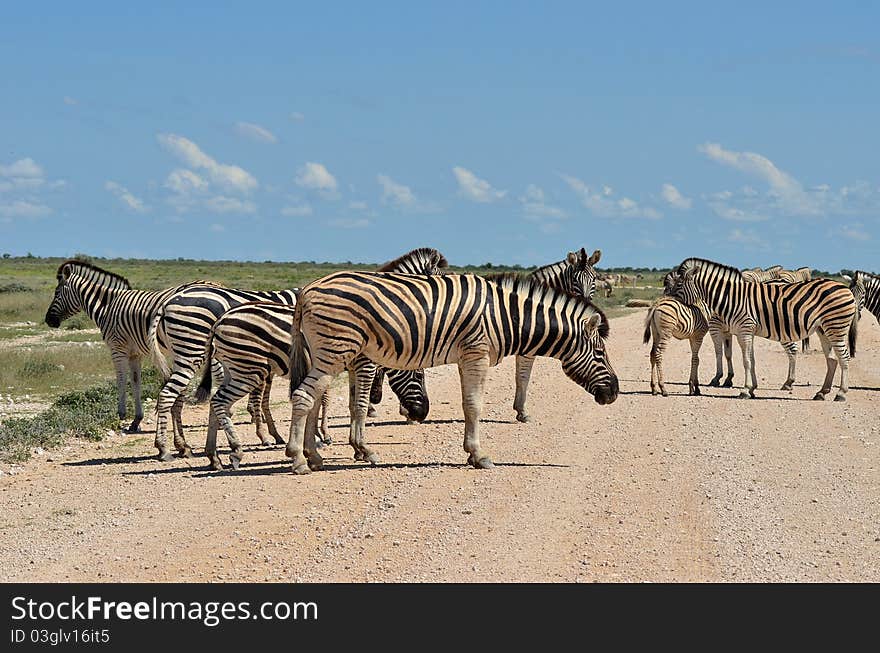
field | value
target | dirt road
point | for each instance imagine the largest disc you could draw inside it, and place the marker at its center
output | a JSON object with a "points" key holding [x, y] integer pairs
{"points": [[647, 489]]}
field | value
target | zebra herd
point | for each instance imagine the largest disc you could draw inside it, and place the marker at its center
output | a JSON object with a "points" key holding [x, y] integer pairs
{"points": [[408, 315], [702, 297], [413, 313]]}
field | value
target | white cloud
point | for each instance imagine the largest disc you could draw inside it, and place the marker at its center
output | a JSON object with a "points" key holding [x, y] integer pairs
{"points": [[602, 204], [358, 206], [674, 198], [297, 116], [222, 204], [728, 212], [255, 132], [22, 169], [185, 182], [124, 195], [855, 232], [395, 193], [229, 177], [298, 211], [349, 223], [474, 188], [788, 192], [535, 206], [748, 238], [24, 209], [315, 176]]}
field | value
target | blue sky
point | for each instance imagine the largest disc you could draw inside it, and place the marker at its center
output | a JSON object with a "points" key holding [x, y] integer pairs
{"points": [[495, 131]]}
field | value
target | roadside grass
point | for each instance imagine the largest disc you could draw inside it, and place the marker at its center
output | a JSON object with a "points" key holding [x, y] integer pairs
{"points": [[87, 413], [50, 371]]}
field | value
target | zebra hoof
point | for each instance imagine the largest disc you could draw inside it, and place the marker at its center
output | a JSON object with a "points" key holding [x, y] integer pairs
{"points": [[714, 383], [744, 395], [819, 397], [786, 386], [186, 452], [372, 458], [522, 417], [727, 384], [371, 412], [165, 456], [695, 392], [301, 469], [316, 464], [840, 398], [215, 465], [235, 462], [280, 440], [484, 463]]}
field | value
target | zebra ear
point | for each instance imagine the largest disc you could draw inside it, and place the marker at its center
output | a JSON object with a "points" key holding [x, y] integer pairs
{"points": [[593, 322], [572, 258], [594, 258], [847, 277], [65, 272], [689, 274]]}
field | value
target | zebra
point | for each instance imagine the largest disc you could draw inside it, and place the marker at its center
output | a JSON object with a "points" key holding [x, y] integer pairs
{"points": [[669, 317], [415, 321], [252, 342], [574, 274], [865, 287], [781, 312], [720, 332], [122, 314], [759, 275], [181, 327], [793, 276]]}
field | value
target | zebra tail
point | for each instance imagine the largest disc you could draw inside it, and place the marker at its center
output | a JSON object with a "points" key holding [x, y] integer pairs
{"points": [[853, 333], [646, 338], [155, 352], [299, 355], [204, 390]]}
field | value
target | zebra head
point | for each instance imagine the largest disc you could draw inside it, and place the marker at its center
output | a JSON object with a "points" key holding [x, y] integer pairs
{"points": [[409, 386], [80, 282], [66, 302], [669, 282], [857, 288], [685, 288], [424, 260], [579, 277], [587, 364]]}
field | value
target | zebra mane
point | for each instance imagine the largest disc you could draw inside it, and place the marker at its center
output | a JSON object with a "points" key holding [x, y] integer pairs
{"points": [[861, 274], [422, 255], [520, 284], [704, 264], [102, 276]]}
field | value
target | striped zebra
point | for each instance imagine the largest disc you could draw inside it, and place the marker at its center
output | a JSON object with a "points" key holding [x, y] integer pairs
{"points": [[576, 275], [123, 315], [414, 322], [252, 342], [781, 312], [865, 287], [670, 318], [181, 327], [794, 276], [759, 275], [722, 341]]}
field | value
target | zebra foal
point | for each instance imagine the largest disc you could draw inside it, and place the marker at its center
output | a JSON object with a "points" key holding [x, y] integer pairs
{"points": [[414, 322], [670, 318]]}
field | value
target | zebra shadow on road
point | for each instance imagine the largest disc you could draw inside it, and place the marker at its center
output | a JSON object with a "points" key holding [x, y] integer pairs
{"points": [[331, 464]]}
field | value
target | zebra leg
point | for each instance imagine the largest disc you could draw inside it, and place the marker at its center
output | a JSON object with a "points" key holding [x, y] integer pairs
{"points": [[134, 366], [302, 403], [657, 363], [222, 402], [211, 441], [831, 368], [120, 363], [267, 414], [694, 382], [255, 410], [165, 407], [360, 378], [805, 345], [841, 349], [472, 369], [746, 344], [177, 418], [728, 354], [376, 391], [523, 374], [790, 351], [325, 409], [718, 342]]}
